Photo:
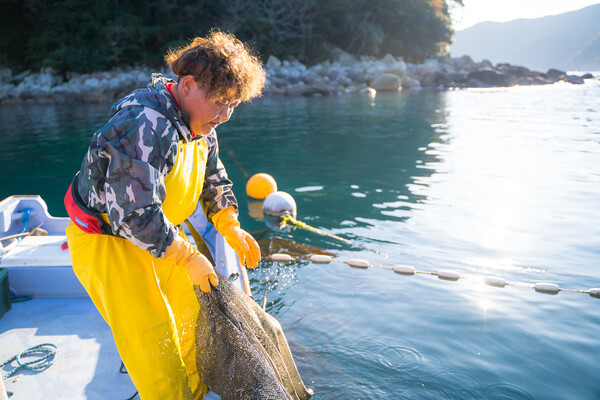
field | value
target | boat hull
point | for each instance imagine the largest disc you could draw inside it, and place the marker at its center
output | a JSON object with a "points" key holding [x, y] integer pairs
{"points": [[41, 265]]}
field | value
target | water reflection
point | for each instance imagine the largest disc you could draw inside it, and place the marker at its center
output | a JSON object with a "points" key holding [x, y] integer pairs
{"points": [[484, 183], [43, 146], [347, 161]]}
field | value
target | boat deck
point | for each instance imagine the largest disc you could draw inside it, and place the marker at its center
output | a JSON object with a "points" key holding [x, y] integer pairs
{"points": [[87, 362]]}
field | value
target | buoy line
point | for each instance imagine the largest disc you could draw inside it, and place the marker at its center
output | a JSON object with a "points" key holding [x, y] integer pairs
{"points": [[290, 220], [496, 281], [282, 207], [235, 161]]}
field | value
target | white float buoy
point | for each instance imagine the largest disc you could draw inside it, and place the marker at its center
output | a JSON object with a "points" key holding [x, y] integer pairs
{"points": [[448, 275], [547, 287], [595, 292], [320, 258], [279, 204], [494, 281], [280, 257], [404, 269], [358, 263]]}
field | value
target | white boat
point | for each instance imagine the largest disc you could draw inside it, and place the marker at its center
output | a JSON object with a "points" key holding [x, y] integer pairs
{"points": [[87, 364]]}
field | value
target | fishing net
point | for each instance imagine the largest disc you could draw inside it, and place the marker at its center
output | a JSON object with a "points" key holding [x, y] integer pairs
{"points": [[242, 351], [277, 244]]}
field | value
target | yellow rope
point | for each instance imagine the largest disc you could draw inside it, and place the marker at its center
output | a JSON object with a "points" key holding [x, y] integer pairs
{"points": [[289, 220]]}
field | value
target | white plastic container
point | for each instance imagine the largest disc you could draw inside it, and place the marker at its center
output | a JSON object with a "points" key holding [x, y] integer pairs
{"points": [[404, 269], [358, 263], [545, 287], [448, 275], [494, 281], [320, 258], [280, 257]]}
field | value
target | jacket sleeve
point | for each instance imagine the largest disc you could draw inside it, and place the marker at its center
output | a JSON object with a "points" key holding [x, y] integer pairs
{"points": [[218, 193], [140, 151]]}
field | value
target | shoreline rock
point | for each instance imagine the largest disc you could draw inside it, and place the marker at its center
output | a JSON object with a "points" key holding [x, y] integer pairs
{"points": [[47, 87], [341, 75]]}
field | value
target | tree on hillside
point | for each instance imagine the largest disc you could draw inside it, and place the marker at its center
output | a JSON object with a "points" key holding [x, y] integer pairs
{"points": [[415, 29], [82, 36]]}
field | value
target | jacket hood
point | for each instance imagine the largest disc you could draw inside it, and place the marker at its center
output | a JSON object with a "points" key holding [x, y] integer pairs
{"points": [[157, 97]]}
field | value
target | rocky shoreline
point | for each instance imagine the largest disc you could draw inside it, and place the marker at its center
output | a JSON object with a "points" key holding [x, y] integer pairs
{"points": [[343, 74]]}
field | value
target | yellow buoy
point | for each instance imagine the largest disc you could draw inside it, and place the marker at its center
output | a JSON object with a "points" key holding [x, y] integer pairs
{"points": [[261, 185]]}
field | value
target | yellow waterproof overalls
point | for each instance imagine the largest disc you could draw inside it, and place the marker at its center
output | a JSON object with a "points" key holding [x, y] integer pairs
{"points": [[149, 303]]}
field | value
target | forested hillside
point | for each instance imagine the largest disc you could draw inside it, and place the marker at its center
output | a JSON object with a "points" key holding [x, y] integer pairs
{"points": [[84, 36]]}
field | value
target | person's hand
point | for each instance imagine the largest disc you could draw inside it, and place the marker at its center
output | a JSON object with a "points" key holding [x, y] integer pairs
{"points": [[199, 269], [241, 241], [244, 245], [201, 272]]}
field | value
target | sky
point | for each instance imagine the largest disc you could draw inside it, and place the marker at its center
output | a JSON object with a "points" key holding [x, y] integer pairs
{"points": [[475, 11]]}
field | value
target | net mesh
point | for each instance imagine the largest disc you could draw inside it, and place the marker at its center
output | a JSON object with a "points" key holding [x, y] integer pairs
{"points": [[242, 351]]}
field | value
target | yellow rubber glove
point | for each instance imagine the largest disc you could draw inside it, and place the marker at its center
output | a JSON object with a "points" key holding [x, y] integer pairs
{"points": [[198, 267], [242, 242]]}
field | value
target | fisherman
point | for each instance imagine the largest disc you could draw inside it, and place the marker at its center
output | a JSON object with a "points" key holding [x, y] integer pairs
{"points": [[144, 174]]}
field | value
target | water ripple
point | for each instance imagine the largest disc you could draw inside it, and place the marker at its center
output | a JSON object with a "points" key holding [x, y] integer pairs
{"points": [[506, 391], [399, 358]]}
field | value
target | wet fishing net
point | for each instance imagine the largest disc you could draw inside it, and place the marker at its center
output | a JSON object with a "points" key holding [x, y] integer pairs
{"points": [[242, 351]]}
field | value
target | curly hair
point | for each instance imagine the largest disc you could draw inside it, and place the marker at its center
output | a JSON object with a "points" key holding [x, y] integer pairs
{"points": [[223, 66]]}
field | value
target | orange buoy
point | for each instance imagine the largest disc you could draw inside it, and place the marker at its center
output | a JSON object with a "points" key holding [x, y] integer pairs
{"points": [[260, 185]]}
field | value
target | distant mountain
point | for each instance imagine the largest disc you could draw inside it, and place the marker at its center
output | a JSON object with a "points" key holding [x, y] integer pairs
{"points": [[569, 41]]}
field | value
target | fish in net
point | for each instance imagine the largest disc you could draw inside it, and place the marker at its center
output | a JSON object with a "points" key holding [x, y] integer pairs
{"points": [[242, 351]]}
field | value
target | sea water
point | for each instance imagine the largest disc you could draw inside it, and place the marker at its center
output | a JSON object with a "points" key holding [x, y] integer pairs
{"points": [[489, 182]]}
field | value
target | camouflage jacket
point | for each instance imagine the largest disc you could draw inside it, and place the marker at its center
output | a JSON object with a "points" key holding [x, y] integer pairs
{"points": [[123, 171]]}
